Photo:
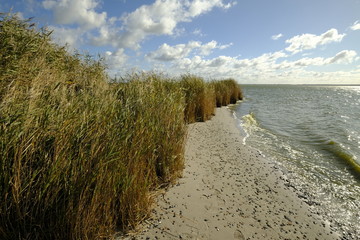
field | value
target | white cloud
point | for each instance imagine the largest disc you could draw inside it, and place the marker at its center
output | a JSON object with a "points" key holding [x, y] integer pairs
{"points": [[355, 26], [107, 35], [225, 66], [220, 61], [265, 61], [117, 63], [178, 32], [198, 7], [117, 59], [343, 57], [225, 46], [67, 36], [310, 41], [171, 53], [276, 37], [304, 62], [198, 32], [346, 56], [81, 12], [269, 68], [159, 18], [207, 48]]}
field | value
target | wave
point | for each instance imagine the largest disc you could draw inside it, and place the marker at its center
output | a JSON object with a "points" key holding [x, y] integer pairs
{"points": [[341, 153], [248, 123], [250, 119]]}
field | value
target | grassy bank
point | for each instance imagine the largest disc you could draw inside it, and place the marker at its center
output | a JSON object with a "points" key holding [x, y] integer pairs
{"points": [[79, 154]]}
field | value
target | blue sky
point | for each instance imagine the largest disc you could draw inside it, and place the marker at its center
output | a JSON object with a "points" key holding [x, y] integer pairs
{"points": [[252, 41]]}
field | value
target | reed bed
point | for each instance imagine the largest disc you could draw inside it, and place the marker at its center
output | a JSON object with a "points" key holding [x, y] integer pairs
{"points": [[79, 153], [199, 98], [227, 92]]}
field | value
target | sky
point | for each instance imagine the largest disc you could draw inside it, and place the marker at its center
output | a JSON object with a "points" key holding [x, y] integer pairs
{"points": [[252, 41]]}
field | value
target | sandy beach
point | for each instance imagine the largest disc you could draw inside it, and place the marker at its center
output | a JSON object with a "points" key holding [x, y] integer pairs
{"points": [[230, 191]]}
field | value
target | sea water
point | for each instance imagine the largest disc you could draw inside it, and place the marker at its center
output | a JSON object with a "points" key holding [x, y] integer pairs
{"points": [[313, 132]]}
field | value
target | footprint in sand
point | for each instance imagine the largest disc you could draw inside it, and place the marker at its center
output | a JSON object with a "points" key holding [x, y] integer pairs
{"points": [[238, 235]]}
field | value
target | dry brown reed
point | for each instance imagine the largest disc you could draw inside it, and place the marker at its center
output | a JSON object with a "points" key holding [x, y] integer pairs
{"points": [[199, 98], [227, 92]]}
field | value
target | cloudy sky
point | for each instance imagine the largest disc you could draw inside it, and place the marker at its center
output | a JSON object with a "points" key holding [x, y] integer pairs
{"points": [[253, 41]]}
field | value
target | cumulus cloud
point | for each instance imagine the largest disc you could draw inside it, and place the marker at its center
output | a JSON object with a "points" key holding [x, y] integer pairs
{"points": [[355, 26], [225, 66], [131, 29], [301, 63], [81, 12], [219, 61], [310, 41], [116, 59], [207, 48], [159, 18], [72, 37], [343, 57], [198, 7], [266, 67], [276, 37], [346, 56], [171, 53]]}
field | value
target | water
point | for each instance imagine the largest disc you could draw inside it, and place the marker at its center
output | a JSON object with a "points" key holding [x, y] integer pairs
{"points": [[314, 133]]}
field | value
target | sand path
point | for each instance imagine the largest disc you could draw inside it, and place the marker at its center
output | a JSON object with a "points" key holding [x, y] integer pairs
{"points": [[230, 191]]}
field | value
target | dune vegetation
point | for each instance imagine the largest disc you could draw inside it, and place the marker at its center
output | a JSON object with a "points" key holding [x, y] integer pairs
{"points": [[80, 153]]}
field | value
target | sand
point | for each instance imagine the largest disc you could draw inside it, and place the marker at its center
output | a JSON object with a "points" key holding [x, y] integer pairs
{"points": [[231, 191]]}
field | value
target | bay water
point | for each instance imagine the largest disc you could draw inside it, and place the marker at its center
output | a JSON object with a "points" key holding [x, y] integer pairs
{"points": [[313, 133]]}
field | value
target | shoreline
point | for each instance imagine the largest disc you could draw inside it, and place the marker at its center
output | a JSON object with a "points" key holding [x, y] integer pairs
{"points": [[230, 191]]}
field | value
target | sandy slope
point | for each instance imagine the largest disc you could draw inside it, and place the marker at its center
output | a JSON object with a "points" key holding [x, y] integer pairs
{"points": [[230, 191]]}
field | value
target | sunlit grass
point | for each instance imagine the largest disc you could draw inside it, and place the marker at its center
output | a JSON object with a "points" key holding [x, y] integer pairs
{"points": [[227, 92], [199, 98], [79, 154]]}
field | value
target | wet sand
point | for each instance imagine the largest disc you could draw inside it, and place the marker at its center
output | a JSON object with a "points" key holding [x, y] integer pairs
{"points": [[230, 191]]}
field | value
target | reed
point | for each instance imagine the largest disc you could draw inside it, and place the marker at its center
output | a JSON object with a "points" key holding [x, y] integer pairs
{"points": [[79, 154], [199, 98], [227, 92]]}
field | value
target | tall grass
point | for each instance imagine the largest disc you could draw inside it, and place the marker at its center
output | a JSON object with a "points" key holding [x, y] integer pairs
{"points": [[79, 154], [227, 92], [199, 98]]}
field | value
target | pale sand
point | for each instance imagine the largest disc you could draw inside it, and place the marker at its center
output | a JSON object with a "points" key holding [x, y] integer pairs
{"points": [[230, 191]]}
